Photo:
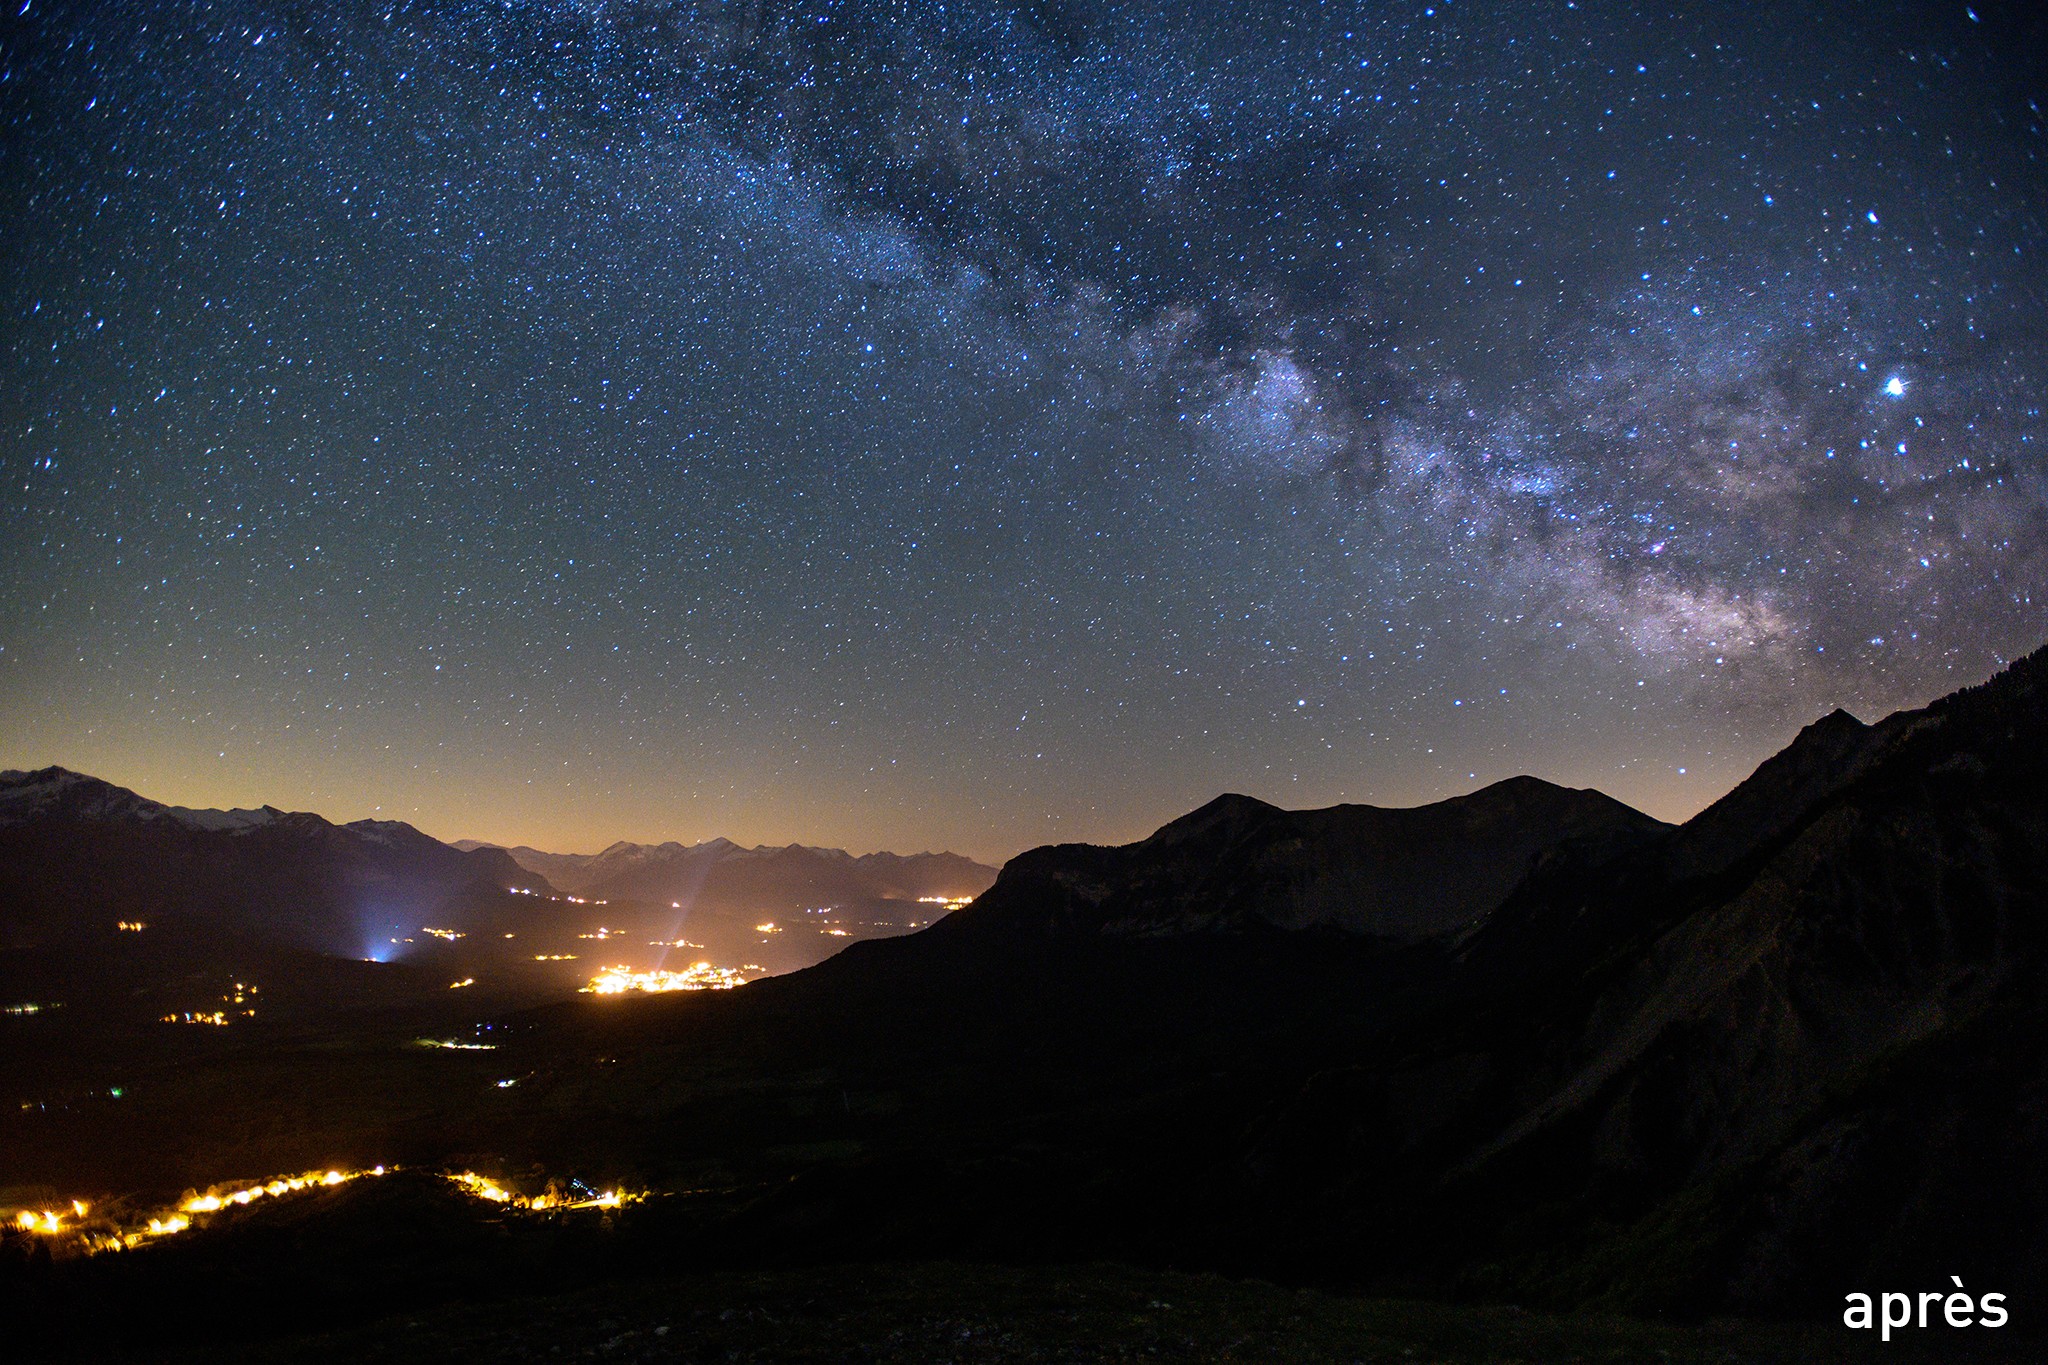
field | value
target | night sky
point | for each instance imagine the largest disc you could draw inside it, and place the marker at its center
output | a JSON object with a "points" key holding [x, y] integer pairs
{"points": [[916, 425]]}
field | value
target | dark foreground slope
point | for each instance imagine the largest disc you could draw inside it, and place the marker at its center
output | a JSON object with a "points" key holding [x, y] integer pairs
{"points": [[403, 1271], [923, 1313]]}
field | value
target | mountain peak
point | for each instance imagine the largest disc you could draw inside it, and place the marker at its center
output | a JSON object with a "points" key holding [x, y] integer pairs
{"points": [[234, 821], [1823, 756], [1238, 863], [55, 792], [1232, 811], [60, 793], [390, 833], [1522, 787]]}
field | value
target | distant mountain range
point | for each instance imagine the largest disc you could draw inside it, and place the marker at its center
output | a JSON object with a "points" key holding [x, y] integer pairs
{"points": [[719, 872], [1524, 1043], [78, 856]]}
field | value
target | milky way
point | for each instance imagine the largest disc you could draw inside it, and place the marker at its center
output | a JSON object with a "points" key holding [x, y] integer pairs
{"points": [[904, 424]]}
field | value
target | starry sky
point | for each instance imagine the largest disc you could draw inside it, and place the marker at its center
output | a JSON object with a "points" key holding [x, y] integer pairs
{"points": [[906, 425]]}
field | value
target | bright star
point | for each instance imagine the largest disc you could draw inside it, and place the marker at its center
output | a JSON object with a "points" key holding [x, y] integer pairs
{"points": [[1895, 386]]}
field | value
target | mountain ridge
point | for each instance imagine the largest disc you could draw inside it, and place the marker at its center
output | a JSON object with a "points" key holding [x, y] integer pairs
{"points": [[78, 853], [1401, 872], [725, 871]]}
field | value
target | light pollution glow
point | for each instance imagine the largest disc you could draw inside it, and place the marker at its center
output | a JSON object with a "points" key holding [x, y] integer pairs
{"points": [[78, 1229], [698, 976]]}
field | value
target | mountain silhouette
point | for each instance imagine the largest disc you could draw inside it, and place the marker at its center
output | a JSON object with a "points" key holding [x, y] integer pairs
{"points": [[1525, 1043], [721, 873], [1237, 862], [78, 854]]}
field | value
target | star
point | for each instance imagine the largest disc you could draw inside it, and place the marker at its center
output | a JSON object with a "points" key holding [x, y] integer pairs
{"points": [[796, 397]]}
